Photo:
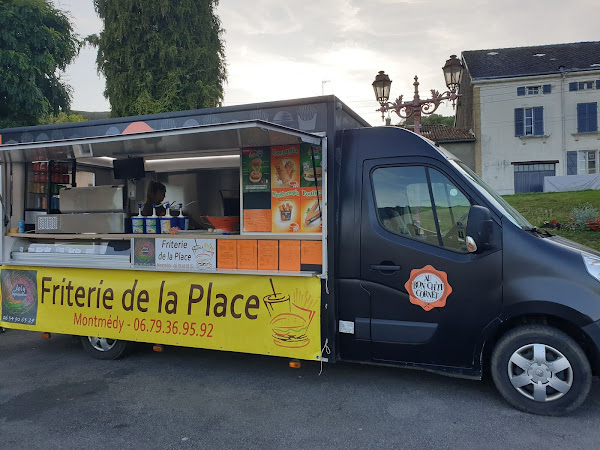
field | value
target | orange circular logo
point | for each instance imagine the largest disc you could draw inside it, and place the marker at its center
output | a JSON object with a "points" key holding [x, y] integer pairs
{"points": [[428, 288]]}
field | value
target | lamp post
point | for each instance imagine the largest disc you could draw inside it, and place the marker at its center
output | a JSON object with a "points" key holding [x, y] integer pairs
{"points": [[415, 108]]}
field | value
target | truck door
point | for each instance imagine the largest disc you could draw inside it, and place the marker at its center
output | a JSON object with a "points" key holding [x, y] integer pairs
{"points": [[430, 298]]}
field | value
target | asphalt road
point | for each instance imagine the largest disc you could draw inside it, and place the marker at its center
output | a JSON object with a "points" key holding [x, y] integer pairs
{"points": [[54, 395]]}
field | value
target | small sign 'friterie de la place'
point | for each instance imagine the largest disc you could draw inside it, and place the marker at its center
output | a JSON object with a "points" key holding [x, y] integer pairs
{"points": [[428, 288]]}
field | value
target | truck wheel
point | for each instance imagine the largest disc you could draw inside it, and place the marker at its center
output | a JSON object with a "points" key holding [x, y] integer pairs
{"points": [[102, 348], [541, 370]]}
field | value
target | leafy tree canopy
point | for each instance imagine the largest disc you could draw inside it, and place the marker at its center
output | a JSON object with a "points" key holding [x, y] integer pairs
{"points": [[36, 43], [433, 119], [62, 117], [160, 55], [437, 119]]}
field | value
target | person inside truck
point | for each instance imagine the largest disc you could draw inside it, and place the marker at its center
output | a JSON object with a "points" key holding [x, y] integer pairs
{"points": [[155, 196]]}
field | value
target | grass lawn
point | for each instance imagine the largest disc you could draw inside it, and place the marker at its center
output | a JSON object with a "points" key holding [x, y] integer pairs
{"points": [[541, 207]]}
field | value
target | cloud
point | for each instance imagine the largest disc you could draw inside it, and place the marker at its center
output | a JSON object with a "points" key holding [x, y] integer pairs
{"points": [[280, 50]]}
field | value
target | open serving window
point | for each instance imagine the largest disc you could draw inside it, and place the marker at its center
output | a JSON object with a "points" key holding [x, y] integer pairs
{"points": [[269, 179]]}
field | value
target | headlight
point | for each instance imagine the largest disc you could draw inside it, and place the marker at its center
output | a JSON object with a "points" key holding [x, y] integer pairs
{"points": [[592, 264]]}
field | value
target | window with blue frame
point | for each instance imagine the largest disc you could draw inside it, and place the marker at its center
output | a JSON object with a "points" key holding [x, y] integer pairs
{"points": [[587, 117], [529, 121], [534, 90], [584, 85]]}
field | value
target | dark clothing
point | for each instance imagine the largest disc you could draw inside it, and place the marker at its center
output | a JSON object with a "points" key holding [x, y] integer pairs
{"points": [[147, 210]]}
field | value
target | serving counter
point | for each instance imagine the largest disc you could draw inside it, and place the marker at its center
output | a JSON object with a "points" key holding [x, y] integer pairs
{"points": [[203, 252]]}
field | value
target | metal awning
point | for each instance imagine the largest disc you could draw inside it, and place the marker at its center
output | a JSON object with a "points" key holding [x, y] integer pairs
{"points": [[205, 140]]}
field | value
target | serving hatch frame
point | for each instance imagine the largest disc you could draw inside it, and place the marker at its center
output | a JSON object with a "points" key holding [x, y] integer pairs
{"points": [[226, 139]]}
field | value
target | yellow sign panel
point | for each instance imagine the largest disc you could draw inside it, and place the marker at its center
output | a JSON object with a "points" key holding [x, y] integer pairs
{"points": [[243, 313]]}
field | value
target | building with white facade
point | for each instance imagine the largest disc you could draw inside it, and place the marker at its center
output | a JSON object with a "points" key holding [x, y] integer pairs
{"points": [[533, 112]]}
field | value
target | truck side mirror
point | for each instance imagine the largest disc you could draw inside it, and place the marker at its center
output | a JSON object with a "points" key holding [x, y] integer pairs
{"points": [[479, 229]]}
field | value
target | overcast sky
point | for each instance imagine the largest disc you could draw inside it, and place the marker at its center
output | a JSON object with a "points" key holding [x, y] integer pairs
{"points": [[279, 50]]}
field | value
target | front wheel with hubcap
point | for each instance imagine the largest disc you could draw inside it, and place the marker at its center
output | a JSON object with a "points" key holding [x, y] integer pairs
{"points": [[103, 348], [541, 370]]}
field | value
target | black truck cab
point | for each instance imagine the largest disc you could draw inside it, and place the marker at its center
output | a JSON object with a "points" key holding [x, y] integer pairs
{"points": [[434, 270]]}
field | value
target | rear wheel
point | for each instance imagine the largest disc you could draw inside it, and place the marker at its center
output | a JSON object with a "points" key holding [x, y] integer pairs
{"points": [[103, 348], [541, 370]]}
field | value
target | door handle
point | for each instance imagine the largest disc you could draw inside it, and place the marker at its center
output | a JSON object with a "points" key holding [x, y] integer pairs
{"points": [[385, 267]]}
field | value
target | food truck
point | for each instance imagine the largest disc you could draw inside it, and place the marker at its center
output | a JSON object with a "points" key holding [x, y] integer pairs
{"points": [[296, 230]]}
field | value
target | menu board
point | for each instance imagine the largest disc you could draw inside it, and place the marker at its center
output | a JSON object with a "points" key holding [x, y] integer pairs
{"points": [[285, 210], [257, 220], [310, 207], [247, 254], [285, 165], [281, 188], [268, 255], [256, 169], [310, 163]]}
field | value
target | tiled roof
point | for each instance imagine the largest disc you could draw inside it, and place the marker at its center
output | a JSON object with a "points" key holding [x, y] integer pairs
{"points": [[442, 133], [536, 60]]}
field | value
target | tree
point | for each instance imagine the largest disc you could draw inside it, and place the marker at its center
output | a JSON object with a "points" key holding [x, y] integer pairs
{"points": [[161, 55], [36, 43], [437, 119], [62, 117]]}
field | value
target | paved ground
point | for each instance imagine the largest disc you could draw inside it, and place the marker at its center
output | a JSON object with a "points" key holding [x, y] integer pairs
{"points": [[53, 395]]}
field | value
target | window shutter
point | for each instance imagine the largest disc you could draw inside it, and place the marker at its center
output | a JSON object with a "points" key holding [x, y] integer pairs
{"points": [[573, 86], [521, 90], [592, 114], [597, 84], [581, 117], [538, 121], [547, 89], [571, 163], [519, 122]]}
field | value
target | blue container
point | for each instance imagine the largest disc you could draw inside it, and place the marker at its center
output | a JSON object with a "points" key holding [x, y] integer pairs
{"points": [[183, 222], [166, 223], [137, 225], [150, 225]]}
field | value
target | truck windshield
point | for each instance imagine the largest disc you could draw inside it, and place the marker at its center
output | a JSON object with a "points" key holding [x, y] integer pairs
{"points": [[499, 203]]}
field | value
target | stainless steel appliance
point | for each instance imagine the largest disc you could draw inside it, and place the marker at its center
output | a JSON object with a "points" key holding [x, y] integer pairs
{"points": [[92, 199], [94, 209]]}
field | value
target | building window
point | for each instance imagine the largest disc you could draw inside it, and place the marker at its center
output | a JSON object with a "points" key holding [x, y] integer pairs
{"points": [[534, 90], [584, 85], [529, 121], [586, 162], [587, 117]]}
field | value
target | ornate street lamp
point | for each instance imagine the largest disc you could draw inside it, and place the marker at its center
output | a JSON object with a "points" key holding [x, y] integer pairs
{"points": [[415, 108]]}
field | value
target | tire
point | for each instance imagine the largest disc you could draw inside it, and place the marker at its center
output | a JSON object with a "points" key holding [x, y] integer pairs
{"points": [[102, 348], [541, 370]]}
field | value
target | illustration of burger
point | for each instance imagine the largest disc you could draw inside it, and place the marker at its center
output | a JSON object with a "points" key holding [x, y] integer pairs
{"points": [[256, 164], [255, 176], [289, 330], [290, 317]]}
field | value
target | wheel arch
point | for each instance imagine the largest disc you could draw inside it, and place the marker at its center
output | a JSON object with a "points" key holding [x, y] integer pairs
{"points": [[561, 323]]}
